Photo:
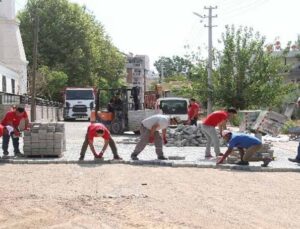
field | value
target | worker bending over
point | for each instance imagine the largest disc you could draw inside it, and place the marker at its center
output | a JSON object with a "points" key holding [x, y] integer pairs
{"points": [[98, 130], [150, 133]]}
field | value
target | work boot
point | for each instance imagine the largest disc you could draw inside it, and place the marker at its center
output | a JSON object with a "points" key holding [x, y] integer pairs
{"points": [[266, 161], [5, 153], [162, 157], [18, 154], [81, 158], [242, 163], [294, 160], [117, 157], [134, 157]]}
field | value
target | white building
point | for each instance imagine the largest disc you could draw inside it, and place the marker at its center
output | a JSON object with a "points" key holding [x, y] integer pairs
{"points": [[13, 63]]}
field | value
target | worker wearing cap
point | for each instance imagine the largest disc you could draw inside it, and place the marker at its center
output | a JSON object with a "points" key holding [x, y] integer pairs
{"points": [[98, 130], [247, 145], [208, 127], [297, 158], [13, 119], [150, 133]]}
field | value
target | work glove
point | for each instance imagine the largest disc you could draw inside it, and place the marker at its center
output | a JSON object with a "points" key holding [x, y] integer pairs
{"points": [[165, 141], [151, 139], [220, 161], [99, 156]]}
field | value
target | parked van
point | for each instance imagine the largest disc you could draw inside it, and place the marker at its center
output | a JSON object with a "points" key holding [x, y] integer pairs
{"points": [[173, 106]]}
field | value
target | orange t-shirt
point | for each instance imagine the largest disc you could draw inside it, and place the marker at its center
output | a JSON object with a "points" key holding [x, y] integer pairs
{"points": [[215, 118], [12, 117], [92, 131]]}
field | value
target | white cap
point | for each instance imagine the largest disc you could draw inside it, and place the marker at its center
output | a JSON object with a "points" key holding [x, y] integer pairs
{"points": [[298, 101], [225, 132]]}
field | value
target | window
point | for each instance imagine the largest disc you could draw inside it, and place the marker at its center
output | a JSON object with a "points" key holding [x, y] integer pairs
{"points": [[3, 83], [13, 87]]}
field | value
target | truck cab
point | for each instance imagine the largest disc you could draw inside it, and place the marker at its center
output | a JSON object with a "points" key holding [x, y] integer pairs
{"points": [[173, 106], [78, 103]]}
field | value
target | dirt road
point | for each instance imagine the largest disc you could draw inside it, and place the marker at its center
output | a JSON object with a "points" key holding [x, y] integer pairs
{"points": [[123, 196]]}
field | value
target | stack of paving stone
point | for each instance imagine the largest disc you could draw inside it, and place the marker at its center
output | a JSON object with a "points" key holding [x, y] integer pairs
{"points": [[248, 118], [266, 151], [185, 136], [269, 122], [45, 139]]}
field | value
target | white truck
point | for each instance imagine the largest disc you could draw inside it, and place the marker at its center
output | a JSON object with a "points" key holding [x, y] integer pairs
{"points": [[78, 102]]}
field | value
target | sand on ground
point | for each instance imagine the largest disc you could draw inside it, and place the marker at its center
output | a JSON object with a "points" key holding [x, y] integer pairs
{"points": [[124, 196]]}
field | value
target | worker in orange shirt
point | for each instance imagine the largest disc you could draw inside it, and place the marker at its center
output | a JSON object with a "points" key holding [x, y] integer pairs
{"points": [[193, 112]]}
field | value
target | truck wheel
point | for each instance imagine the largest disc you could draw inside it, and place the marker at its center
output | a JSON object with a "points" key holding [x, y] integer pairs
{"points": [[137, 132], [116, 128]]}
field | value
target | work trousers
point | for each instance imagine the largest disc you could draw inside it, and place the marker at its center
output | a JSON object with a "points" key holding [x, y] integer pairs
{"points": [[144, 140], [212, 138], [111, 144], [194, 122], [5, 143], [249, 152], [298, 153]]}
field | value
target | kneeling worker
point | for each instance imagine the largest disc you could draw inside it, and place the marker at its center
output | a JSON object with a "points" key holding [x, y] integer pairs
{"points": [[247, 145], [98, 130], [150, 133]]}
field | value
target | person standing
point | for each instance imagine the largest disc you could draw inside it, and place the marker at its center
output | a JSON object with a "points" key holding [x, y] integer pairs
{"points": [[149, 130], [297, 158], [13, 119], [247, 145], [98, 130], [217, 118], [193, 111]]}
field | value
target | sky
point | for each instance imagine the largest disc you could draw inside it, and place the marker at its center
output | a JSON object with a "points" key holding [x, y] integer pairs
{"points": [[164, 27]]}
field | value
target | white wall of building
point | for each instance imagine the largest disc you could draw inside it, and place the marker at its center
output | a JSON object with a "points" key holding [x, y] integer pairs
{"points": [[9, 75], [12, 54]]}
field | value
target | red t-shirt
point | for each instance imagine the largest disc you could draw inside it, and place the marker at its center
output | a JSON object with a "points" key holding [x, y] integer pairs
{"points": [[193, 111], [12, 117], [92, 131], [215, 118]]}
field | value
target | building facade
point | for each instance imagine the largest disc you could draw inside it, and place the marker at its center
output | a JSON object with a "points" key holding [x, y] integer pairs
{"points": [[13, 63], [138, 68]]}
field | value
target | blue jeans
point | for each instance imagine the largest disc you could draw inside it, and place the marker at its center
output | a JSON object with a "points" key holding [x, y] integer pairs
{"points": [[298, 154], [5, 142]]}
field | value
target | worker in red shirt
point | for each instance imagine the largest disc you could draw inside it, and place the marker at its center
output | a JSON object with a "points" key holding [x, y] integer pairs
{"points": [[217, 118], [98, 130], [193, 112], [13, 119]]}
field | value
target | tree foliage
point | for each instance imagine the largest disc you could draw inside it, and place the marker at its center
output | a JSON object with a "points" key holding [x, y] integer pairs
{"points": [[173, 66], [247, 76], [71, 41]]}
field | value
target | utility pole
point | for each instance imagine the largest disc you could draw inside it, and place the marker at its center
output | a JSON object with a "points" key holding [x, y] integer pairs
{"points": [[34, 66], [162, 74], [209, 64]]}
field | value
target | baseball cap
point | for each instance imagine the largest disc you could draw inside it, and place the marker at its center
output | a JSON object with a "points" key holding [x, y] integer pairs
{"points": [[225, 132]]}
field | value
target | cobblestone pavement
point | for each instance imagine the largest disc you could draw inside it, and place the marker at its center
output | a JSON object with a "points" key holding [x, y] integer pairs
{"points": [[190, 156]]}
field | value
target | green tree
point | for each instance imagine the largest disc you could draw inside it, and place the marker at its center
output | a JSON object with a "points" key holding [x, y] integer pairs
{"points": [[50, 84], [247, 76], [173, 66], [71, 41]]}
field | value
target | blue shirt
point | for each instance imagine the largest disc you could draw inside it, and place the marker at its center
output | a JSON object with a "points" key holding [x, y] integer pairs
{"points": [[242, 141]]}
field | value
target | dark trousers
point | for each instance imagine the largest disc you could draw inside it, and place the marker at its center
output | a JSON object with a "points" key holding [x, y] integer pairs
{"points": [[5, 143], [111, 144], [194, 121]]}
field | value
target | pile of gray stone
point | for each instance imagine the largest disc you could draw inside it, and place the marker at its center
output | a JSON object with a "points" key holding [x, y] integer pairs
{"points": [[45, 139], [185, 136]]}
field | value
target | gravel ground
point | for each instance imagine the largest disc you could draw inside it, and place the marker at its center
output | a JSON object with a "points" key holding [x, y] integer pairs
{"points": [[124, 196]]}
